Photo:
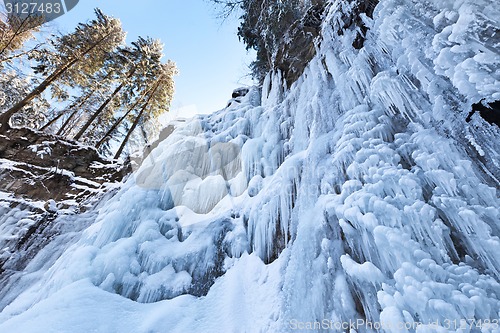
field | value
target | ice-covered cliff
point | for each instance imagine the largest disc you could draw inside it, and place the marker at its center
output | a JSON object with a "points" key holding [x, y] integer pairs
{"points": [[359, 198]]}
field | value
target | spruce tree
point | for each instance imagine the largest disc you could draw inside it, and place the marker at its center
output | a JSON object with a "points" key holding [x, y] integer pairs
{"points": [[78, 54], [157, 101], [14, 86], [135, 67], [15, 31]]}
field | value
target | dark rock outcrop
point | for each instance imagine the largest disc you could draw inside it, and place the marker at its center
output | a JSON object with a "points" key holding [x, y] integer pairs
{"points": [[294, 55], [299, 46], [488, 111], [40, 167], [237, 95]]}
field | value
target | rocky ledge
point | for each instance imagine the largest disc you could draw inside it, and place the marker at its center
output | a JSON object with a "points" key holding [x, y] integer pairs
{"points": [[43, 167]]}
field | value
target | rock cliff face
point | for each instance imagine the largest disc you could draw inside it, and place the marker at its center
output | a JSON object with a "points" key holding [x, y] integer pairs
{"points": [[299, 46], [42, 167]]}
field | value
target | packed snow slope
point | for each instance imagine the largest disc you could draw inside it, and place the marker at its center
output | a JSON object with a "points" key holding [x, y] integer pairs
{"points": [[360, 194]]}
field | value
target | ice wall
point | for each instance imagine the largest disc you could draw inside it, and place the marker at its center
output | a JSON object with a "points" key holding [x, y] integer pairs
{"points": [[360, 194]]}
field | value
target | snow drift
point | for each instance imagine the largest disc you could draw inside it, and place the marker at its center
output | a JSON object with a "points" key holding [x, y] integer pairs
{"points": [[357, 198]]}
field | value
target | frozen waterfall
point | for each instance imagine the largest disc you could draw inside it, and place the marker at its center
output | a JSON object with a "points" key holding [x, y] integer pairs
{"points": [[359, 196]]}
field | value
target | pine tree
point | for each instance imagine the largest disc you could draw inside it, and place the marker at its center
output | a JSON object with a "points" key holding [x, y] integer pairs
{"points": [[14, 86], [119, 121], [71, 111], [15, 31], [136, 65], [78, 54], [156, 103], [84, 95]]}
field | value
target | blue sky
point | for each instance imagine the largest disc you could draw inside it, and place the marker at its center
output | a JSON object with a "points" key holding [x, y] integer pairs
{"points": [[211, 60]]}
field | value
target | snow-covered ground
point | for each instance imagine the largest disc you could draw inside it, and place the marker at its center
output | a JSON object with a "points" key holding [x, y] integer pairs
{"points": [[359, 198]]}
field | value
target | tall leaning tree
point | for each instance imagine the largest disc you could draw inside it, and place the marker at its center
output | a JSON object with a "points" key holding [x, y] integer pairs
{"points": [[77, 55], [156, 101], [133, 66], [87, 93], [147, 53]]}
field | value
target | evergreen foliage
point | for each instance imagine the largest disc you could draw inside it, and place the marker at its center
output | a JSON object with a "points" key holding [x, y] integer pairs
{"points": [[15, 31], [86, 85], [265, 26]]}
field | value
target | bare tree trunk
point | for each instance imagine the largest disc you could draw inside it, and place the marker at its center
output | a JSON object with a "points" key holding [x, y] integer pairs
{"points": [[66, 123], [136, 122], [56, 118], [98, 111], [119, 121], [104, 105], [129, 134], [74, 123]]}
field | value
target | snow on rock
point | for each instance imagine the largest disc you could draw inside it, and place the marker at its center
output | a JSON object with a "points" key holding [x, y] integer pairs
{"points": [[358, 195], [39, 166]]}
